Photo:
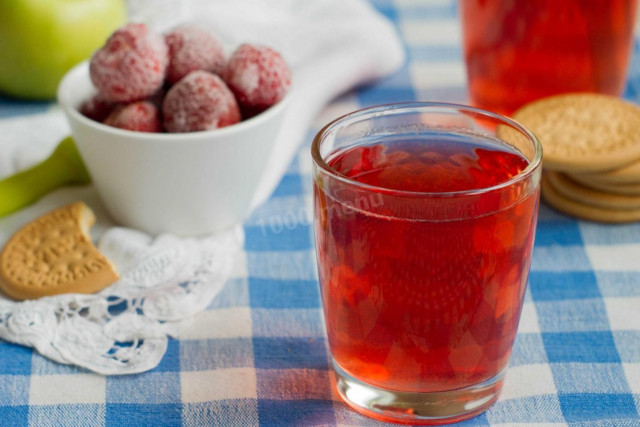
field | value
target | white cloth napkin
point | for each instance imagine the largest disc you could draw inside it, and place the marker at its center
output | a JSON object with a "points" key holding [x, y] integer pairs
{"points": [[331, 45]]}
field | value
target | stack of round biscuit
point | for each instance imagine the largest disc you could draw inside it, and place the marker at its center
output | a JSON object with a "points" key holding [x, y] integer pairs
{"points": [[591, 154]]}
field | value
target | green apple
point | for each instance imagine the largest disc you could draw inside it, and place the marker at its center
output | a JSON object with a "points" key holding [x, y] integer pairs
{"points": [[41, 39]]}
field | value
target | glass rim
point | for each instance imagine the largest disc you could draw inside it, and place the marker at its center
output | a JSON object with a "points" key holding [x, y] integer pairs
{"points": [[376, 110]]}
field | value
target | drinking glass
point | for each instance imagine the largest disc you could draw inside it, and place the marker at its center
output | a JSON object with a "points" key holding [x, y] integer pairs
{"points": [[423, 249], [519, 51]]}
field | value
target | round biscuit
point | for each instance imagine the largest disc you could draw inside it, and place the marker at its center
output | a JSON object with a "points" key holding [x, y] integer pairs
{"points": [[628, 174], [578, 193], [595, 184], [584, 132], [591, 213]]}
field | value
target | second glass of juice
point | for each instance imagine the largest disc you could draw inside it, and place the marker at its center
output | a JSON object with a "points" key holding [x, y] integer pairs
{"points": [[517, 51], [425, 217]]}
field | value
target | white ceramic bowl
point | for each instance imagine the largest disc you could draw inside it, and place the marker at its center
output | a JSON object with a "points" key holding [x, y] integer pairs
{"points": [[187, 183]]}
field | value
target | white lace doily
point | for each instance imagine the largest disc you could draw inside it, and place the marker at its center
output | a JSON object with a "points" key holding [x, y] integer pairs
{"points": [[125, 328]]}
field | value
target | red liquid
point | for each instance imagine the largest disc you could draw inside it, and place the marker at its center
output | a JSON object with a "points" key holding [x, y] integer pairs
{"points": [[417, 304], [518, 51]]}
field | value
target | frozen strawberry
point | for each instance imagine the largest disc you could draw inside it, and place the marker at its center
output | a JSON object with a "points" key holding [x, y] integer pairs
{"points": [[96, 108], [141, 116], [131, 65], [200, 101], [258, 76], [192, 49]]}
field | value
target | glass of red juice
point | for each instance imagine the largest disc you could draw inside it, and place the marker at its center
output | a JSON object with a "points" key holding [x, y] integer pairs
{"points": [[519, 51], [425, 216]]}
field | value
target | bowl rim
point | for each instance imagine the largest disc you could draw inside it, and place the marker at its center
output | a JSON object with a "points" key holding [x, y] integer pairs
{"points": [[82, 69]]}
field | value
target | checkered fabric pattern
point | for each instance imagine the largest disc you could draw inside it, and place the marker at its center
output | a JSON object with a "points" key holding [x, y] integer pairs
{"points": [[258, 354]]}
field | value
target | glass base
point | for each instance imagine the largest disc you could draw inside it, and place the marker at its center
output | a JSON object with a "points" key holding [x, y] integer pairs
{"points": [[415, 407]]}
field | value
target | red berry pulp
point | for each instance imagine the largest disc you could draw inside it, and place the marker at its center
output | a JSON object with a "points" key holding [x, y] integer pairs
{"points": [[423, 292]]}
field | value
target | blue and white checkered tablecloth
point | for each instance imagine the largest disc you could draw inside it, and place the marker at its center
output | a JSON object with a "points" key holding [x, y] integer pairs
{"points": [[258, 354]]}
